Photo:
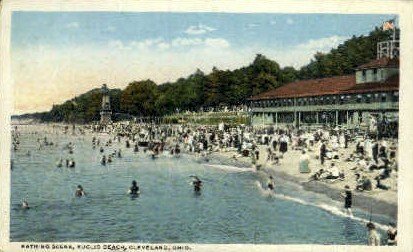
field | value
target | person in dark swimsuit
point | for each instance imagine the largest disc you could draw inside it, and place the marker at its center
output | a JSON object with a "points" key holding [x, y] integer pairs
{"points": [[79, 191], [271, 183], [348, 199], [391, 235], [134, 189], [197, 184]]}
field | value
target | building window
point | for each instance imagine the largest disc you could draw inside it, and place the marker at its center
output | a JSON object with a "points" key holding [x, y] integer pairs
{"points": [[383, 97], [342, 99], [368, 98], [363, 75], [359, 98], [396, 96], [375, 74]]}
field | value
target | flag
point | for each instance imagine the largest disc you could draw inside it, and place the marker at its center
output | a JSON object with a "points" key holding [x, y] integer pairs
{"points": [[388, 25]]}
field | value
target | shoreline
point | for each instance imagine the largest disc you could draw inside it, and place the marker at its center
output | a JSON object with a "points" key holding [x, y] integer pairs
{"points": [[386, 206], [361, 200]]}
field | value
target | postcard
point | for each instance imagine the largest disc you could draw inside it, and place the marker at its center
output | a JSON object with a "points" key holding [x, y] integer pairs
{"points": [[206, 126]]}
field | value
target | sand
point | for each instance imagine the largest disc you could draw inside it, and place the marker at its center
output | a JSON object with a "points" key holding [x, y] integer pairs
{"points": [[383, 202]]}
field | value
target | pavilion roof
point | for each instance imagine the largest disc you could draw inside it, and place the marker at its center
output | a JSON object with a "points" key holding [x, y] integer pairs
{"points": [[328, 86], [384, 62]]}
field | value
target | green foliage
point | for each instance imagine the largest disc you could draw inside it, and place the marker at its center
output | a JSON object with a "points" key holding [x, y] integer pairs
{"points": [[138, 98], [220, 87], [346, 57]]}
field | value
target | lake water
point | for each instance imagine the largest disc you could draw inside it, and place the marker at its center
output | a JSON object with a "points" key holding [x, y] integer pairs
{"points": [[232, 208]]}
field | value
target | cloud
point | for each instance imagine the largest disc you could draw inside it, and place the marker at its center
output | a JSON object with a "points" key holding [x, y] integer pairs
{"points": [[176, 43], [73, 25], [216, 43], [119, 45], [144, 44], [163, 46], [56, 74], [198, 29], [301, 54], [322, 44]]}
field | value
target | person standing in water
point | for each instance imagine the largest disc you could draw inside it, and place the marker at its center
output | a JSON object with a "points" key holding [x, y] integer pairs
{"points": [[374, 237], [25, 204], [391, 235], [270, 183], [79, 191], [348, 199], [134, 189], [197, 183]]}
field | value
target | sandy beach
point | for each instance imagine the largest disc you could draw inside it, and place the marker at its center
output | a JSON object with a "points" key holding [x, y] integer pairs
{"points": [[382, 202]]}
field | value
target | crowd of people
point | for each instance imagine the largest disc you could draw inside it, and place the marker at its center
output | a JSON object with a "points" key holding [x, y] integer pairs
{"points": [[327, 155]]}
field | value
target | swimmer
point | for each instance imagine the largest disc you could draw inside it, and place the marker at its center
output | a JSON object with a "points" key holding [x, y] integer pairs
{"points": [[25, 204], [72, 163], [270, 183], [59, 163], [134, 189], [197, 183], [79, 191]]}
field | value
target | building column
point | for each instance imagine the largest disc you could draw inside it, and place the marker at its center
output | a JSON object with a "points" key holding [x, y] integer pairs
{"points": [[276, 119], [316, 118], [336, 117], [295, 118], [299, 119], [347, 118]]}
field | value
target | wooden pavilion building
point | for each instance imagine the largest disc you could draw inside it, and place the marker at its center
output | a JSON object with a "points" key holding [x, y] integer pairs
{"points": [[371, 94]]}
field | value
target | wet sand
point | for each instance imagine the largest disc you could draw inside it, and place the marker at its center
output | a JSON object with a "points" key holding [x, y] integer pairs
{"points": [[382, 202]]}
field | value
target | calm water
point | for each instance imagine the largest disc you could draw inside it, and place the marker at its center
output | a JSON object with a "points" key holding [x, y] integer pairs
{"points": [[232, 208]]}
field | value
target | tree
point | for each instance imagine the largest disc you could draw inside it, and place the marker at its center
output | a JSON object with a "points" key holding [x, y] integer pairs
{"points": [[139, 98]]}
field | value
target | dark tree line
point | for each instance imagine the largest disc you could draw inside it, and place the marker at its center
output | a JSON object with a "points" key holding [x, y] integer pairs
{"points": [[220, 87]]}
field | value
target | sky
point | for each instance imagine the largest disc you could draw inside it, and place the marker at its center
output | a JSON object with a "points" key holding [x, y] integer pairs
{"points": [[58, 55]]}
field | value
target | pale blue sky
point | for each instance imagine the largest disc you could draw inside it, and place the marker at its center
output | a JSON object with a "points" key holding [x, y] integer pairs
{"points": [[68, 28], [57, 55]]}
